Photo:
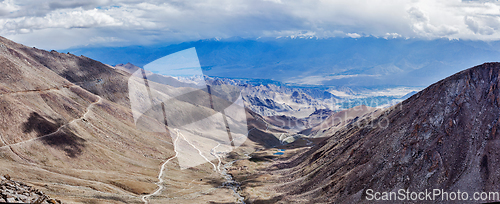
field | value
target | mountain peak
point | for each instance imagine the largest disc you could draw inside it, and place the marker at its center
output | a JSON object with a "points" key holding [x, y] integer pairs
{"points": [[129, 67]]}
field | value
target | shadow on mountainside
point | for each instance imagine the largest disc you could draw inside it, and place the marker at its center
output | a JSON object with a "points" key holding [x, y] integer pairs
{"points": [[62, 140], [41, 125]]}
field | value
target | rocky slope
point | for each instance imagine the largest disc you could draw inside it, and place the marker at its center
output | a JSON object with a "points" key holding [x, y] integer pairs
{"points": [[18, 192], [72, 144], [444, 137], [272, 100], [67, 128]]}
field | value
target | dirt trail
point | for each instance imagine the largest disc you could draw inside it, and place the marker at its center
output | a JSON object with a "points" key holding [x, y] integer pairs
{"points": [[160, 174], [37, 90], [229, 183], [33, 165], [162, 169], [58, 129]]}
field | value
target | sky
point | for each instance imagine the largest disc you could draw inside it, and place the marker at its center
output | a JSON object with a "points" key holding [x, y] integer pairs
{"points": [[51, 24]]}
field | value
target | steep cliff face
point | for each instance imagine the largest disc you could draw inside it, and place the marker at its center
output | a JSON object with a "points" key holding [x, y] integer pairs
{"points": [[444, 137]]}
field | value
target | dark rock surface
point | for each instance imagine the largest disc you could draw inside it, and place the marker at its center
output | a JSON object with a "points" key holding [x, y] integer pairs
{"points": [[18, 192]]}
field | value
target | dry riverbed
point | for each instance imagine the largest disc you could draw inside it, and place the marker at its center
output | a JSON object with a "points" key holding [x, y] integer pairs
{"points": [[258, 176]]}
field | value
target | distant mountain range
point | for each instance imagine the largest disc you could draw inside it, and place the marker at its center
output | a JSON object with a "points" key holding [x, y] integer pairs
{"points": [[363, 62]]}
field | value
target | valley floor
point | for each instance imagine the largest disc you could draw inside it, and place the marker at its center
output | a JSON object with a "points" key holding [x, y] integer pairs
{"points": [[259, 176]]}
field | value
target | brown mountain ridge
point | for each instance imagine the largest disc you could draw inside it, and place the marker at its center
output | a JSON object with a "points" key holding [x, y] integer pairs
{"points": [[67, 129]]}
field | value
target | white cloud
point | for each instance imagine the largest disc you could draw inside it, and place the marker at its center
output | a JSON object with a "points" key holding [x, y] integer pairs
{"points": [[353, 35], [139, 22], [392, 35], [65, 19], [471, 24], [423, 27]]}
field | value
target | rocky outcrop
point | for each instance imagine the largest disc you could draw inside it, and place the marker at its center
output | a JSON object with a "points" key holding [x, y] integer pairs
{"points": [[17, 192]]}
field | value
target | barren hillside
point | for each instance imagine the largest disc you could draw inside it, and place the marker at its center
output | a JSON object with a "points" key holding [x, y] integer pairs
{"points": [[67, 128], [444, 137]]}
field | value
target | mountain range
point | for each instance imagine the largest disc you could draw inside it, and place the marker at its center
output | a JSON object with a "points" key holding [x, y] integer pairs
{"points": [[69, 128]]}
